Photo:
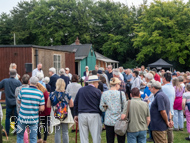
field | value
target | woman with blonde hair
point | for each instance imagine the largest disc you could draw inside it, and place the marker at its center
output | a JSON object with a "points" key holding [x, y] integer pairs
{"points": [[43, 116], [112, 103], [178, 111], [13, 66], [60, 102]]}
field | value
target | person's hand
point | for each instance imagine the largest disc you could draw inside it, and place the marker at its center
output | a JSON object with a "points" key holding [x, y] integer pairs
{"points": [[123, 116], [183, 112], [76, 119], [146, 97], [171, 124], [148, 101]]}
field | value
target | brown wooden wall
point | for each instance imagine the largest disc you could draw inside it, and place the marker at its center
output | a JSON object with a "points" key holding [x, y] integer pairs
{"points": [[70, 62], [102, 63], [17, 55]]}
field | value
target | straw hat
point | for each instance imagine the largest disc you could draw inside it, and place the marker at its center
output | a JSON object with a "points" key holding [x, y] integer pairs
{"points": [[115, 80], [93, 78]]}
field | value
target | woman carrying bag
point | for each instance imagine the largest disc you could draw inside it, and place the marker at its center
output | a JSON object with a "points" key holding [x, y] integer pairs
{"points": [[111, 103], [61, 103]]}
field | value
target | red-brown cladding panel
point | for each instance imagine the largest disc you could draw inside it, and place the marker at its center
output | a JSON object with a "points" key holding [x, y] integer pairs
{"points": [[17, 55], [70, 61]]}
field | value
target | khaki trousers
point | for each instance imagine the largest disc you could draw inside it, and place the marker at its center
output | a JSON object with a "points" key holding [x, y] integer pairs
{"points": [[160, 136], [170, 135]]}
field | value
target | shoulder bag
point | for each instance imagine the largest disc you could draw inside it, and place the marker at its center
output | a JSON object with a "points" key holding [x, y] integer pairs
{"points": [[121, 126]]}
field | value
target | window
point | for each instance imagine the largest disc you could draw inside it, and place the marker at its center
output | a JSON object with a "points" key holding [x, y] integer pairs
{"points": [[57, 62]]}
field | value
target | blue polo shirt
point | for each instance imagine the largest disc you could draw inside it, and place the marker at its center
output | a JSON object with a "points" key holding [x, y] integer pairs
{"points": [[160, 102]]}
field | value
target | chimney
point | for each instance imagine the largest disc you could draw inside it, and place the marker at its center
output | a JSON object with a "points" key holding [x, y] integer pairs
{"points": [[77, 41]]}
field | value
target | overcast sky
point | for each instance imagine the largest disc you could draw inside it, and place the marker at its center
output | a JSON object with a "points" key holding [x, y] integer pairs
{"points": [[7, 5]]}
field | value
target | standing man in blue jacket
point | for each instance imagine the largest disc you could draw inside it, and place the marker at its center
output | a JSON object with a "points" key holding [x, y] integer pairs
{"points": [[53, 78], [10, 85], [87, 112]]}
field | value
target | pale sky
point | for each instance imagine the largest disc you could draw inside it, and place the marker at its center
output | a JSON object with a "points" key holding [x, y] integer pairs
{"points": [[7, 5]]}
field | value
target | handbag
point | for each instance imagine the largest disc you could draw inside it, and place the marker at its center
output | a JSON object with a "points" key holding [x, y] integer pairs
{"points": [[121, 126]]}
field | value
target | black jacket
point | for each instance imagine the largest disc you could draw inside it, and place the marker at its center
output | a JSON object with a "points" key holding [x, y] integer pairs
{"points": [[52, 82]]}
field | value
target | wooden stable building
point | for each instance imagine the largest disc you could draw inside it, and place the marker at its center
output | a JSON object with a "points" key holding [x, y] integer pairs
{"points": [[49, 56]]}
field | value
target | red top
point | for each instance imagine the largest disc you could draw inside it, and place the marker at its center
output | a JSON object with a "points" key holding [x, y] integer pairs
{"points": [[47, 111], [157, 77]]}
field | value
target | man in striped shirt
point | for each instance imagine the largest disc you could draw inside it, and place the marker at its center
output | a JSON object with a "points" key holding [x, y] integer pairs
{"points": [[32, 101]]}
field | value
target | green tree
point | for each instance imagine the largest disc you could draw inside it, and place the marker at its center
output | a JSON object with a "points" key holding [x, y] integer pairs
{"points": [[163, 31], [6, 34]]}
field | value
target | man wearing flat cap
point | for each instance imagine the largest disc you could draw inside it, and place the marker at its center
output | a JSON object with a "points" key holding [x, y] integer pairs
{"points": [[87, 112], [10, 85]]}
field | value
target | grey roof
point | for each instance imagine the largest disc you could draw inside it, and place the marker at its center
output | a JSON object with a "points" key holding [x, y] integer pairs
{"points": [[81, 50], [103, 58], [160, 63]]}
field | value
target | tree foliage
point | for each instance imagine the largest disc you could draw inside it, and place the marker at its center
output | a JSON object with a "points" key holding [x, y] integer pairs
{"points": [[131, 35], [163, 30]]}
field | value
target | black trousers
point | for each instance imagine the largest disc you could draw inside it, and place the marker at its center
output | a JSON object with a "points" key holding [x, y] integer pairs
{"points": [[110, 135], [43, 121], [128, 90]]}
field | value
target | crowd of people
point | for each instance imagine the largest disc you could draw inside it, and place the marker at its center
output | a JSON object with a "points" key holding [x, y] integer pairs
{"points": [[151, 100]]}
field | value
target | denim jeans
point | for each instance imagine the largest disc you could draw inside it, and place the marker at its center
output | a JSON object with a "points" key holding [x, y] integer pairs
{"points": [[9, 111], [65, 135], [133, 137], [21, 127], [150, 132], [178, 119]]}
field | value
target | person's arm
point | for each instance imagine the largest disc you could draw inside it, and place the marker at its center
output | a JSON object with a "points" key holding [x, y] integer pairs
{"points": [[148, 121], [123, 115], [33, 73], [2, 84], [165, 117], [76, 107], [184, 103], [102, 102], [18, 101], [42, 108], [42, 103]]}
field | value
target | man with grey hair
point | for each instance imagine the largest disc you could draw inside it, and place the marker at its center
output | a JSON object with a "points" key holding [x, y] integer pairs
{"points": [[32, 101], [53, 78], [37, 70], [46, 81], [148, 77], [65, 78], [109, 73], [10, 85], [116, 73], [161, 118]]}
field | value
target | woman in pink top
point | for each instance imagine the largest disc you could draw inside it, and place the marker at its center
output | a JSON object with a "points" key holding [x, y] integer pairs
{"points": [[178, 111]]}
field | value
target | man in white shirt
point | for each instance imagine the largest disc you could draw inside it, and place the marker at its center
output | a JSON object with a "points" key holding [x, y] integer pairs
{"points": [[67, 73], [37, 70]]}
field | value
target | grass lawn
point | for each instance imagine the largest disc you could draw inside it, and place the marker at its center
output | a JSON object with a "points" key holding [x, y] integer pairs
{"points": [[179, 137]]}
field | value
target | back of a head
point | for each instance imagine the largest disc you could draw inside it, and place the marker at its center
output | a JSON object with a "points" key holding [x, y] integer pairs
{"points": [[94, 72], [46, 80], [12, 73], [187, 87], [180, 78], [75, 78], [168, 77], [156, 84], [103, 79], [149, 76], [12, 66], [116, 72], [40, 76], [60, 85], [34, 80], [154, 70], [53, 70], [25, 79], [135, 92], [62, 71], [175, 81]]}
